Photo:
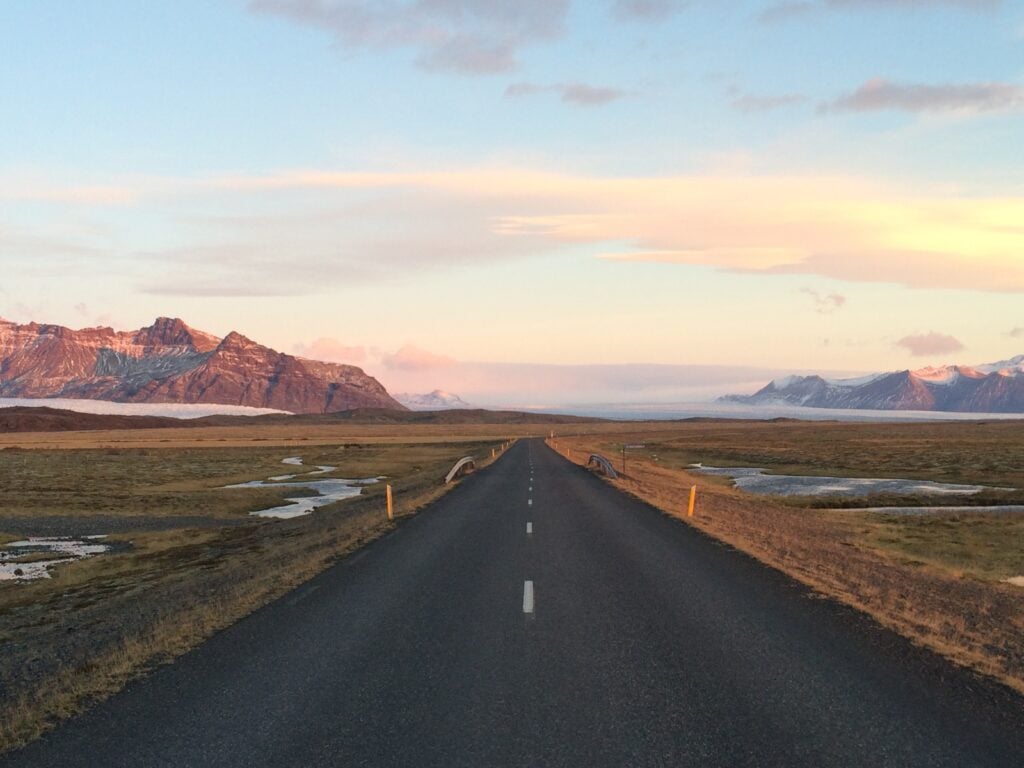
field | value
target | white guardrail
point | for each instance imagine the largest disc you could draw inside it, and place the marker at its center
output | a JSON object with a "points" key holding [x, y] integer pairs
{"points": [[462, 466], [602, 465]]}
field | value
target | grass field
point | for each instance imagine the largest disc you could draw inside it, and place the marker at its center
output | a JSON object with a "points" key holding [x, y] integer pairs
{"points": [[985, 546], [205, 564], [189, 481], [189, 559], [938, 579]]}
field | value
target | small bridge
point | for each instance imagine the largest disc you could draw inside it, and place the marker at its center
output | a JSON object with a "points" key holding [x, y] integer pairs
{"points": [[602, 465], [462, 467]]}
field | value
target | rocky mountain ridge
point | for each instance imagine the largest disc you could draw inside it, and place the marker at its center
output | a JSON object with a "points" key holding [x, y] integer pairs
{"points": [[169, 362], [991, 388]]}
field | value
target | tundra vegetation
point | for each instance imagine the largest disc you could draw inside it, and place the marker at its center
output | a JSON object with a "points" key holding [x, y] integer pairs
{"points": [[187, 558], [941, 579]]}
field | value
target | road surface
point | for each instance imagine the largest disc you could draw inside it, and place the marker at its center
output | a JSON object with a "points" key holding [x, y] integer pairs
{"points": [[537, 617]]}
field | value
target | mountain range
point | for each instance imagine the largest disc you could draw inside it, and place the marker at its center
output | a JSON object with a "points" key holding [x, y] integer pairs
{"points": [[992, 388], [438, 400], [169, 362]]}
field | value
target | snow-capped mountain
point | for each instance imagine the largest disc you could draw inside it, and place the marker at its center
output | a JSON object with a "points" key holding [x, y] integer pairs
{"points": [[991, 388], [168, 362], [438, 400]]}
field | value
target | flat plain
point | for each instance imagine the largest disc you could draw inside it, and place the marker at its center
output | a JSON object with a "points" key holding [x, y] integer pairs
{"points": [[188, 559]]}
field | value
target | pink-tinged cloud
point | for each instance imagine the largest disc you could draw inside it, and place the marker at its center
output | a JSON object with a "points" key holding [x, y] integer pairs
{"points": [[932, 343], [825, 304], [580, 94], [412, 358], [350, 228], [331, 351], [524, 384], [646, 10], [747, 102], [965, 98], [476, 37], [791, 9]]}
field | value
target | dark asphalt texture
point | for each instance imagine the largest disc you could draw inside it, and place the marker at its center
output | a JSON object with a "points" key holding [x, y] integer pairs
{"points": [[651, 645]]}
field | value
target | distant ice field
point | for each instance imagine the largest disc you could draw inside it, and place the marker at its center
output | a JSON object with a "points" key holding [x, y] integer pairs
{"points": [[173, 410], [659, 411]]}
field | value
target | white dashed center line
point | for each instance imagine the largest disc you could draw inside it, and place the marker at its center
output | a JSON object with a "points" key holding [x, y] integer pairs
{"points": [[528, 597], [529, 529]]}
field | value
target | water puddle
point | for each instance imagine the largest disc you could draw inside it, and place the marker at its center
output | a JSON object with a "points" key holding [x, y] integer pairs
{"points": [[31, 559], [754, 480], [1005, 509], [328, 491]]}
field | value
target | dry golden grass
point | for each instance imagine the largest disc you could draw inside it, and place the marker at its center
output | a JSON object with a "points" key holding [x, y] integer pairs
{"points": [[271, 435], [147, 603], [976, 623]]}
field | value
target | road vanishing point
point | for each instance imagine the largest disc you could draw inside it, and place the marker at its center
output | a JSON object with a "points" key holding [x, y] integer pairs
{"points": [[536, 616]]}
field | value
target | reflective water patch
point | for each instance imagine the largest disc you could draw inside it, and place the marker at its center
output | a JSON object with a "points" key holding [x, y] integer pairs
{"points": [[755, 480], [329, 491], [13, 556]]}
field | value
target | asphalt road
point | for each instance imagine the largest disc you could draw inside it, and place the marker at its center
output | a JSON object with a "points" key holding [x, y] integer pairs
{"points": [[648, 644]]}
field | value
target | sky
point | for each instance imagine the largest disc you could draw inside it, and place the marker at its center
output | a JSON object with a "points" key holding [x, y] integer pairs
{"points": [[537, 202]]}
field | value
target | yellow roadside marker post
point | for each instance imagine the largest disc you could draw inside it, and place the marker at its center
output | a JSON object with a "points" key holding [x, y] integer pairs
{"points": [[391, 506], [693, 500]]}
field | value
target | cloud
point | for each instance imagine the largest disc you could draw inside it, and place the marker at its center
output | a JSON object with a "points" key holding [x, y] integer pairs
{"points": [[579, 94], [646, 10], [412, 358], [528, 384], [825, 304], [1016, 333], [932, 343], [791, 9], [330, 350], [305, 231], [475, 37], [970, 98]]}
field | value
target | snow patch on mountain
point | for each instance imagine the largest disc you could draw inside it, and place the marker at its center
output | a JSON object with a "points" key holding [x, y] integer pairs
{"points": [[1012, 367], [993, 388], [856, 381], [432, 401]]}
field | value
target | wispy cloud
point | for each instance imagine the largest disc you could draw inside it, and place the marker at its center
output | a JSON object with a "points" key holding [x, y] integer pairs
{"points": [[748, 102], [299, 232], [825, 304], [579, 94], [330, 350], [931, 343], [646, 10], [968, 98], [1016, 333], [413, 358], [476, 37], [790, 9]]}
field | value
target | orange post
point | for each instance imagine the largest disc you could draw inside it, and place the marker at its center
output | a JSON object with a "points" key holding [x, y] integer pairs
{"points": [[693, 500], [391, 506]]}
